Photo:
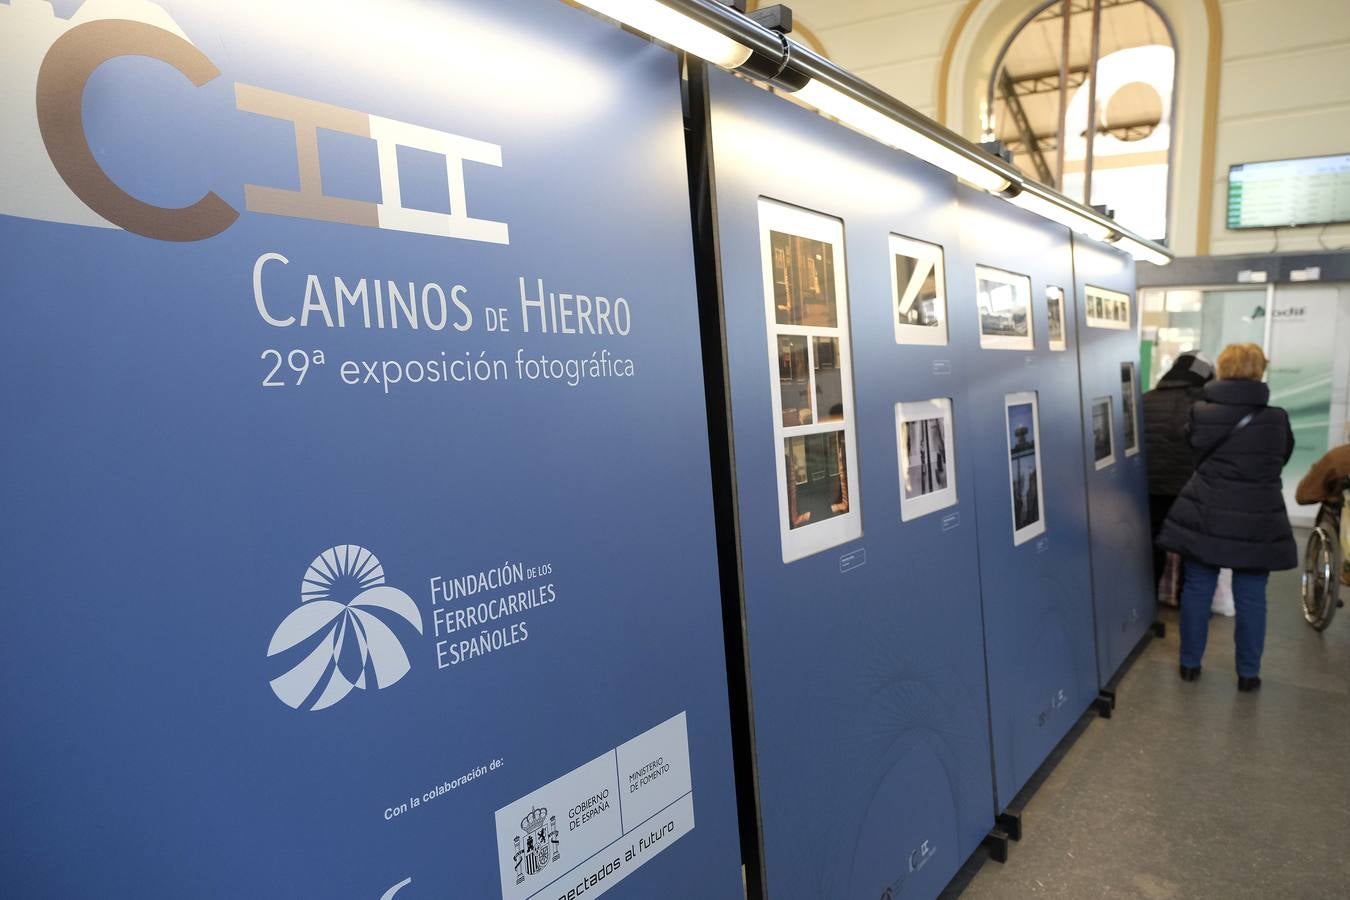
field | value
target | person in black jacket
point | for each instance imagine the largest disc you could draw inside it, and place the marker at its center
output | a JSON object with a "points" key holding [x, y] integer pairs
{"points": [[1167, 416], [1231, 513]]}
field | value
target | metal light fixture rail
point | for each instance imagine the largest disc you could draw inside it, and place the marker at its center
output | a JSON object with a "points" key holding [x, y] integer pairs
{"points": [[747, 47]]}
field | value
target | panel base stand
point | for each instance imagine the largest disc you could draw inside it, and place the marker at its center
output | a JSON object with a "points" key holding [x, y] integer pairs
{"points": [[996, 842], [1011, 823], [1105, 703], [1159, 629]]}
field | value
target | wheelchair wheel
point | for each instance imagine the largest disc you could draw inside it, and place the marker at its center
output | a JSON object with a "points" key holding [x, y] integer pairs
{"points": [[1321, 577]]}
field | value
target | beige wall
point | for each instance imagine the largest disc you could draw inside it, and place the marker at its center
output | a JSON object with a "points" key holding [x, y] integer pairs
{"points": [[895, 44], [1283, 88], [1285, 91]]}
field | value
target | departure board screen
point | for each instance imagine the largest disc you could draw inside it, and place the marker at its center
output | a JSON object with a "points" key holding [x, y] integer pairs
{"points": [[1311, 191]]}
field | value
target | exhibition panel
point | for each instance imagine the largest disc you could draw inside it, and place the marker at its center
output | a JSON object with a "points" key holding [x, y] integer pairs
{"points": [[853, 444], [1117, 482], [1015, 268], [379, 434]]}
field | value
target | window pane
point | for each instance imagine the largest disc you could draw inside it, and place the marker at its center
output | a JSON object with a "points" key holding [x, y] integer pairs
{"points": [[1130, 105]]}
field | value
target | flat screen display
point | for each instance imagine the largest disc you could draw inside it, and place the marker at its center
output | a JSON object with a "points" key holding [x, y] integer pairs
{"points": [[1314, 190]]}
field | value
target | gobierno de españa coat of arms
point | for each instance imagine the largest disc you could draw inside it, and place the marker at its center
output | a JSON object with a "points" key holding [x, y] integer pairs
{"points": [[537, 844]]}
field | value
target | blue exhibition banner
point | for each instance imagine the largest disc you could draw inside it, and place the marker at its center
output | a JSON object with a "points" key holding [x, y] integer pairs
{"points": [[1124, 593], [357, 535], [1035, 572], [854, 451]]}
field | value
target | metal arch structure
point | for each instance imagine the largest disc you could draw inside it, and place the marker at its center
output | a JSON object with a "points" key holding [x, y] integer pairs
{"points": [[1069, 77], [1029, 139]]}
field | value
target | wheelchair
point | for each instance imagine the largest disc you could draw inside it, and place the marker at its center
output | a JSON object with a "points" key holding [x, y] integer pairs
{"points": [[1323, 560]]}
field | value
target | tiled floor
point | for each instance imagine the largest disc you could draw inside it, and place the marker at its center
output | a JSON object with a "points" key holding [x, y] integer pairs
{"points": [[1194, 790]]}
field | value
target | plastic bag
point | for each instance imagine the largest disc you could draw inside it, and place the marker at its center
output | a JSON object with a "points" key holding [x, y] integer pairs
{"points": [[1223, 594], [1169, 585]]}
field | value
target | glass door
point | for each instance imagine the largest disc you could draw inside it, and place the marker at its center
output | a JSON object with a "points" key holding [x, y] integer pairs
{"points": [[1176, 320]]}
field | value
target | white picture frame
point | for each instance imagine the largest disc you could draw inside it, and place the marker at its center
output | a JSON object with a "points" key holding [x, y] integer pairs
{"points": [[907, 299], [804, 239], [1022, 410], [1003, 302], [1107, 309], [1103, 432], [1056, 333], [926, 456], [1129, 402]]}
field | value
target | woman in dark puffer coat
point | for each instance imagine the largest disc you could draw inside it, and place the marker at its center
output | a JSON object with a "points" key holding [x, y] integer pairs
{"points": [[1167, 416], [1231, 513]]}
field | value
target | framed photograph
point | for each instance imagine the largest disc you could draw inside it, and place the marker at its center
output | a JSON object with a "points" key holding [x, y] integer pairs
{"points": [[923, 433], [918, 292], [1054, 317], [1004, 300], [806, 310], [1024, 466], [1107, 309], [1103, 435], [1128, 387]]}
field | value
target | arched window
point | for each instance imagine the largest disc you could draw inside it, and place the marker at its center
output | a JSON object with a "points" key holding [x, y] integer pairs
{"points": [[1040, 102]]}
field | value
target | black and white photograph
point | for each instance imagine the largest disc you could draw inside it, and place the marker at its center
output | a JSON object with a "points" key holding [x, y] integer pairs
{"points": [[1107, 309], [1004, 301], [1054, 317], [918, 292], [806, 311], [923, 432], [1129, 409], [1024, 466], [1103, 435]]}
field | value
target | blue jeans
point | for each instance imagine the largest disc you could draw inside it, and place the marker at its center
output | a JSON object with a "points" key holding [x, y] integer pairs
{"points": [[1249, 597]]}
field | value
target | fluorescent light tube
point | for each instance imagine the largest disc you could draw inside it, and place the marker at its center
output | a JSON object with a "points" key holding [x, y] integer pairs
{"points": [[1143, 252], [674, 28], [1064, 215], [892, 132]]}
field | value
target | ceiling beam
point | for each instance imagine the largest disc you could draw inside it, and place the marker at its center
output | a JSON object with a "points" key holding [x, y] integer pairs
{"points": [[1082, 7], [1019, 117], [1126, 131], [1047, 82]]}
